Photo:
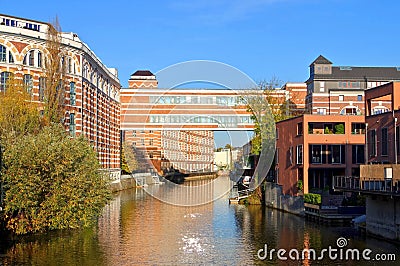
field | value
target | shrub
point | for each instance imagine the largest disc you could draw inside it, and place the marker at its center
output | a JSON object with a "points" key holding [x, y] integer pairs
{"points": [[312, 198], [300, 185], [339, 129], [52, 182]]}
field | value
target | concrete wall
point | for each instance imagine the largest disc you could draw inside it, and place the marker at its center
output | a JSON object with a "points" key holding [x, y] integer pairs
{"points": [[383, 217], [275, 199], [124, 183]]}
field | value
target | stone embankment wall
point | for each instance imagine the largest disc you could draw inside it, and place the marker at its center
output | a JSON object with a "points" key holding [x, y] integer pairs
{"points": [[131, 181], [274, 198]]}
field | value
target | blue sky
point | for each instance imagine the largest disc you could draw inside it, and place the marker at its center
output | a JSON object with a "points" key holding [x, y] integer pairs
{"points": [[262, 38]]}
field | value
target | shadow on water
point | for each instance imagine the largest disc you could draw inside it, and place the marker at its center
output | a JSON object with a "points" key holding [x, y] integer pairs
{"points": [[75, 247]]}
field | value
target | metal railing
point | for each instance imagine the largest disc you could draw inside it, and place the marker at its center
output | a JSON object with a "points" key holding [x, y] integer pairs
{"points": [[367, 184]]}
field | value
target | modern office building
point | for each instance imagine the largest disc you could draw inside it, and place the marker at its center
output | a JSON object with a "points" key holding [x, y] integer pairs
{"points": [[92, 106], [340, 89], [314, 148]]}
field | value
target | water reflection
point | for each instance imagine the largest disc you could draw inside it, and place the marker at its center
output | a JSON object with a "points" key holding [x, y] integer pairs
{"points": [[196, 192], [137, 229]]}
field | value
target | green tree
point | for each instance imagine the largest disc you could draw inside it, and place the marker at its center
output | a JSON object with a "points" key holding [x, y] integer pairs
{"points": [[339, 128], [52, 182], [228, 146]]}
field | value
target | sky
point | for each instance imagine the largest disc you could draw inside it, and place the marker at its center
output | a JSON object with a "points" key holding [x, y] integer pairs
{"points": [[262, 38]]}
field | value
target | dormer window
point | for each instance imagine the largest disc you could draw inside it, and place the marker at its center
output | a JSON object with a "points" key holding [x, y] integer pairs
{"points": [[321, 65]]}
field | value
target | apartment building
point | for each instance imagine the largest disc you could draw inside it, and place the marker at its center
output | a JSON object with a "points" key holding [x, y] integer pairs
{"points": [[313, 148], [92, 106], [340, 89]]}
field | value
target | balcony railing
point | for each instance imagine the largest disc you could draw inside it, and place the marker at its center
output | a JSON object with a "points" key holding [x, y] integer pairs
{"points": [[367, 185]]}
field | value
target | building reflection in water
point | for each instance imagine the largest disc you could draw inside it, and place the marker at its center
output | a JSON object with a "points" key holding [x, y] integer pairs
{"points": [[137, 229]]}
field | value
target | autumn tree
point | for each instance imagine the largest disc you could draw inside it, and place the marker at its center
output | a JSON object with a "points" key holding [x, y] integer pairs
{"points": [[52, 182], [128, 159], [49, 180], [55, 74], [18, 114], [18, 117], [266, 106]]}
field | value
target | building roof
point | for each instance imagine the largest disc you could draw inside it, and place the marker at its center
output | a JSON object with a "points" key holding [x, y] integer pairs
{"points": [[143, 73], [364, 73], [321, 60]]}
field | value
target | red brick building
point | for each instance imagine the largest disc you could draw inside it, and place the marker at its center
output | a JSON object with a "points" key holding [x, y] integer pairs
{"points": [[383, 124], [340, 89], [314, 148], [92, 89]]}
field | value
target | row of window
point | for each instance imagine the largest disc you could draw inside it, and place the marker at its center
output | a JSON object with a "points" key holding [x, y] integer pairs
{"points": [[35, 58], [228, 121], [354, 110], [328, 128], [28, 83], [181, 99], [19, 24], [325, 154], [384, 142], [101, 82]]}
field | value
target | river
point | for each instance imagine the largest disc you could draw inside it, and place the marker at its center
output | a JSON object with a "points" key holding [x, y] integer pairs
{"points": [[137, 229]]}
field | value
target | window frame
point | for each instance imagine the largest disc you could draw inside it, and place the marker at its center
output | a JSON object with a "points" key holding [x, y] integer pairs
{"points": [[299, 154], [384, 142]]}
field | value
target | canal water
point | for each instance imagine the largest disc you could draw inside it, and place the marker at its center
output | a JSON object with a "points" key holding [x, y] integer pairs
{"points": [[138, 229]]}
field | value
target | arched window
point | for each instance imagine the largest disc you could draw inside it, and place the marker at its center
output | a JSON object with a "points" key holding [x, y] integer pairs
{"points": [[40, 59], [31, 58], [3, 55], [34, 58], [85, 71], [350, 110]]}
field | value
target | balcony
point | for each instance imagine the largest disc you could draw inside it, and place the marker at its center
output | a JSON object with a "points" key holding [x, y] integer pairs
{"points": [[326, 128], [367, 185]]}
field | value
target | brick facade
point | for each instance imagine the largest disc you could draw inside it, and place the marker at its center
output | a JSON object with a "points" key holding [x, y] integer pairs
{"points": [[92, 90]]}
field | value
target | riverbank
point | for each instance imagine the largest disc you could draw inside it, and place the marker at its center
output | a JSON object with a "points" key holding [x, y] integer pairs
{"points": [[123, 184], [144, 179]]}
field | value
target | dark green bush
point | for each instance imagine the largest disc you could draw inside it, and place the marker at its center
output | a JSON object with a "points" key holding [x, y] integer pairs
{"points": [[312, 198]]}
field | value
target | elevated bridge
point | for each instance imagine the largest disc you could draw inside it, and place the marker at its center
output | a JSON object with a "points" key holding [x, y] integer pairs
{"points": [[184, 109]]}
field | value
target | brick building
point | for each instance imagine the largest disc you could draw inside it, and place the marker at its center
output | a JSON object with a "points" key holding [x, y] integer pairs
{"points": [[91, 91], [383, 128], [314, 148], [340, 89], [153, 124]]}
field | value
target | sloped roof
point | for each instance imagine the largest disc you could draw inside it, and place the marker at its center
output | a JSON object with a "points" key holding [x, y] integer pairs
{"points": [[365, 73], [143, 73], [321, 60]]}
